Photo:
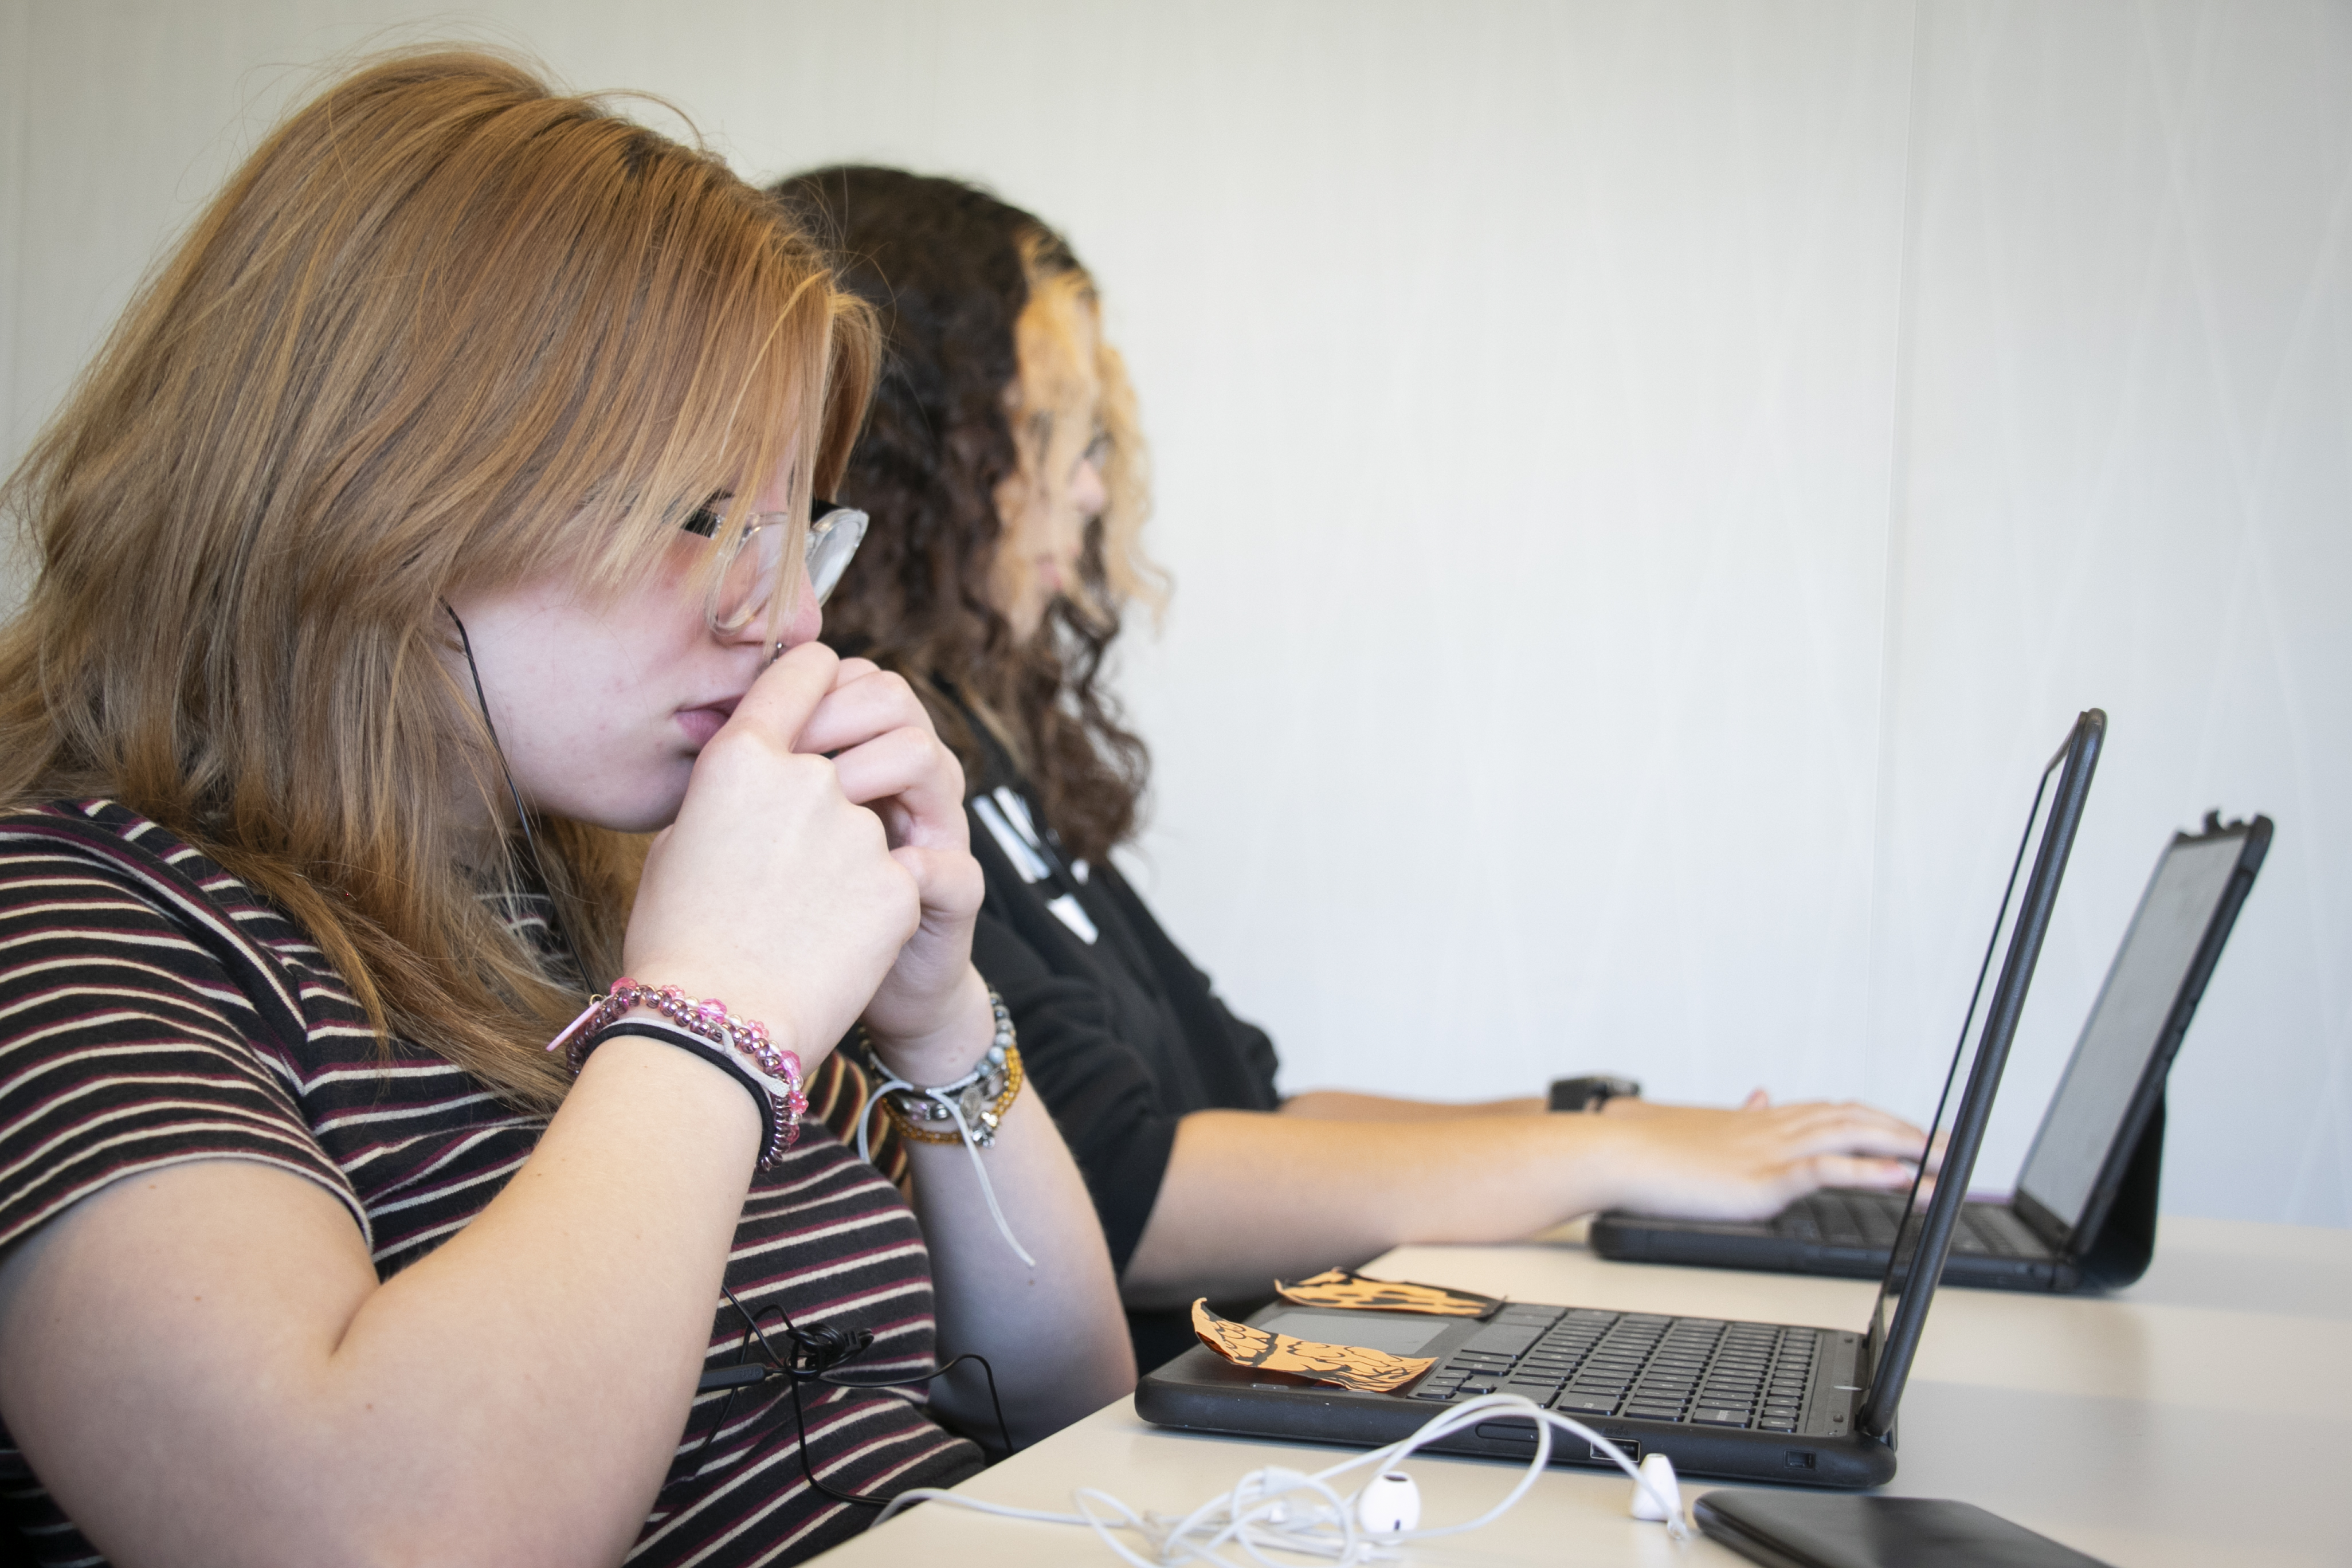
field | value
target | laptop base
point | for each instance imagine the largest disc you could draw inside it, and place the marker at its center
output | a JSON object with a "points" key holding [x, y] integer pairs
{"points": [[1201, 1392]]}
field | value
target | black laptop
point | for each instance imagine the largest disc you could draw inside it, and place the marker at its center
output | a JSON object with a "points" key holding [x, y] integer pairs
{"points": [[1748, 1401], [2084, 1211]]}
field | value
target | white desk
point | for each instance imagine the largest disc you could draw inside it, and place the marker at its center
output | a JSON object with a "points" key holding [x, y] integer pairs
{"points": [[2203, 1416]]}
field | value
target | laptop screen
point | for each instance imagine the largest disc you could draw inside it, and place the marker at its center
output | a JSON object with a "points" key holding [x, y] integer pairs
{"points": [[2127, 1024], [1924, 1238]]}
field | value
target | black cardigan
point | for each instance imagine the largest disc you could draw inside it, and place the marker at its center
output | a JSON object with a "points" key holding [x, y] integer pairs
{"points": [[1120, 1036]]}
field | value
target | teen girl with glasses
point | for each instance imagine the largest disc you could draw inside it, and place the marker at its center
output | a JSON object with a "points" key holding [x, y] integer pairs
{"points": [[431, 525]]}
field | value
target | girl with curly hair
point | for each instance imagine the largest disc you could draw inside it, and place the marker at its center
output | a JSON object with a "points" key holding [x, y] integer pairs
{"points": [[1006, 477]]}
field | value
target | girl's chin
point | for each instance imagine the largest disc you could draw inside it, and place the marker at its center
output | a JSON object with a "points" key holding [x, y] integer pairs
{"points": [[646, 809], [652, 819]]}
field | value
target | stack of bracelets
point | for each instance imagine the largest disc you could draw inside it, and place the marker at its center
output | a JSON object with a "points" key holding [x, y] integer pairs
{"points": [[971, 1108], [975, 1102], [740, 1046]]}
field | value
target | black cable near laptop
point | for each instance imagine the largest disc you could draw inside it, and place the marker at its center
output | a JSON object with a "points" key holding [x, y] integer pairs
{"points": [[2084, 1212], [1750, 1401]]}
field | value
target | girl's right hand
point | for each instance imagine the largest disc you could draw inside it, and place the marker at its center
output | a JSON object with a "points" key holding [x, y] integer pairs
{"points": [[1695, 1163], [773, 891]]}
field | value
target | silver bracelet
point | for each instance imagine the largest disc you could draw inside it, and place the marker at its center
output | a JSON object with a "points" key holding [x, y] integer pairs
{"points": [[976, 1102], [974, 1105]]}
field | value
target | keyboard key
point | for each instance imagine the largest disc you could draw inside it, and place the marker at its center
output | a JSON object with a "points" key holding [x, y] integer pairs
{"points": [[1503, 1339], [1577, 1402], [1775, 1423], [1717, 1415]]}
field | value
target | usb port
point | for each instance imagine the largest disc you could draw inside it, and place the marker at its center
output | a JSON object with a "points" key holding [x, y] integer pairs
{"points": [[1632, 1450]]}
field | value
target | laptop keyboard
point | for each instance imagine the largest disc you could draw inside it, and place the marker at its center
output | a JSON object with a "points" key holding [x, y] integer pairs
{"points": [[1584, 1364], [1867, 1221]]}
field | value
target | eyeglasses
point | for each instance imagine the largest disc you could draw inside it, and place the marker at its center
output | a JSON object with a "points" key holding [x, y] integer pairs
{"points": [[752, 559]]}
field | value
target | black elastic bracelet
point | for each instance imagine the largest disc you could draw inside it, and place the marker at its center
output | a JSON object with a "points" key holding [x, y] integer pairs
{"points": [[710, 1051]]}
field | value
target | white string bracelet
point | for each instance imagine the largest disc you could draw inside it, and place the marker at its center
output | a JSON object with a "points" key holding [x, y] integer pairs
{"points": [[974, 1104], [1279, 1509]]}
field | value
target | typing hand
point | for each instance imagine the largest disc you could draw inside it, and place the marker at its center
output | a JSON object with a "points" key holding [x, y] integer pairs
{"points": [[1749, 1164]]}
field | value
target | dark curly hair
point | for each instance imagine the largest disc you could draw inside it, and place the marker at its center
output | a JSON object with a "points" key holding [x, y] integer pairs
{"points": [[950, 270]]}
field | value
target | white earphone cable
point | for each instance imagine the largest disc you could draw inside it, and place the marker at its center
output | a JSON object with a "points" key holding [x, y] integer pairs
{"points": [[1265, 1512]]}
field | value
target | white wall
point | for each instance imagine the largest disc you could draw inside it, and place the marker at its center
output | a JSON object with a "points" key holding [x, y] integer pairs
{"points": [[1647, 482]]}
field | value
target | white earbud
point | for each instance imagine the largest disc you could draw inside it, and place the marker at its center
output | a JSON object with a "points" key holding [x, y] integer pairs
{"points": [[1657, 1485], [1390, 1504]]}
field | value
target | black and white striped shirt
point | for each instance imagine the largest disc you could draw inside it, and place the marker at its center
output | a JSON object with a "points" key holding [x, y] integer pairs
{"points": [[154, 1011]]}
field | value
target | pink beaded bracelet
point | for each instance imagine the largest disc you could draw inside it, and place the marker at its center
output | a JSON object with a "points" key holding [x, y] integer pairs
{"points": [[775, 1072]]}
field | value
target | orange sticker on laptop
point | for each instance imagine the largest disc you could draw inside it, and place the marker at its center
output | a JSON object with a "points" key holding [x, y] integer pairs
{"points": [[1346, 1288], [1350, 1366]]}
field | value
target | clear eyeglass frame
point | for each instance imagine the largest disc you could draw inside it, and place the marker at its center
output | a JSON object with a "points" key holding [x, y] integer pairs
{"points": [[752, 562]]}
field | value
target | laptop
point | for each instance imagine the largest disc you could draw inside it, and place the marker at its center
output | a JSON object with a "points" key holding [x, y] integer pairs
{"points": [[1777, 1402], [2083, 1214]]}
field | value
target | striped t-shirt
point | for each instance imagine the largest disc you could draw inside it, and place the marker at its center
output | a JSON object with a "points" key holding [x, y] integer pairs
{"points": [[154, 1011]]}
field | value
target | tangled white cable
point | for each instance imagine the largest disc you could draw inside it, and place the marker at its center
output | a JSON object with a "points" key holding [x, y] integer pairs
{"points": [[1291, 1510]]}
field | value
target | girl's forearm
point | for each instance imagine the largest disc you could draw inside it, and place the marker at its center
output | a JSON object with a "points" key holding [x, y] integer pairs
{"points": [[204, 1367], [1054, 1334]]}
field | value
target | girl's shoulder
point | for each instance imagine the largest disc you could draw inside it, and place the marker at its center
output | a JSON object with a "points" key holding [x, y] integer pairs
{"points": [[73, 868], [154, 1008]]}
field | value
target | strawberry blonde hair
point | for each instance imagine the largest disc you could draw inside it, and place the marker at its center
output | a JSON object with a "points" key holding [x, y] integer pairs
{"points": [[444, 329]]}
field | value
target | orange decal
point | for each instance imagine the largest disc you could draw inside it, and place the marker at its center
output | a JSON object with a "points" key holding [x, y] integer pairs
{"points": [[1350, 1366], [1346, 1288]]}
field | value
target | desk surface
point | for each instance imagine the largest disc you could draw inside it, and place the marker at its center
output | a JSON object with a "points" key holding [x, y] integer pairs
{"points": [[2203, 1416]]}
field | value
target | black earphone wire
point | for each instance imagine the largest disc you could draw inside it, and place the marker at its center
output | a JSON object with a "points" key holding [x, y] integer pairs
{"points": [[816, 1353], [522, 813]]}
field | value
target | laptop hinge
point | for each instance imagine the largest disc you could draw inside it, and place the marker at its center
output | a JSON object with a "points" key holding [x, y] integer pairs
{"points": [[2126, 1238]]}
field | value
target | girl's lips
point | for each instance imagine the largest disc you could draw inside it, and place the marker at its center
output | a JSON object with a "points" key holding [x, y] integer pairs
{"points": [[701, 723]]}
